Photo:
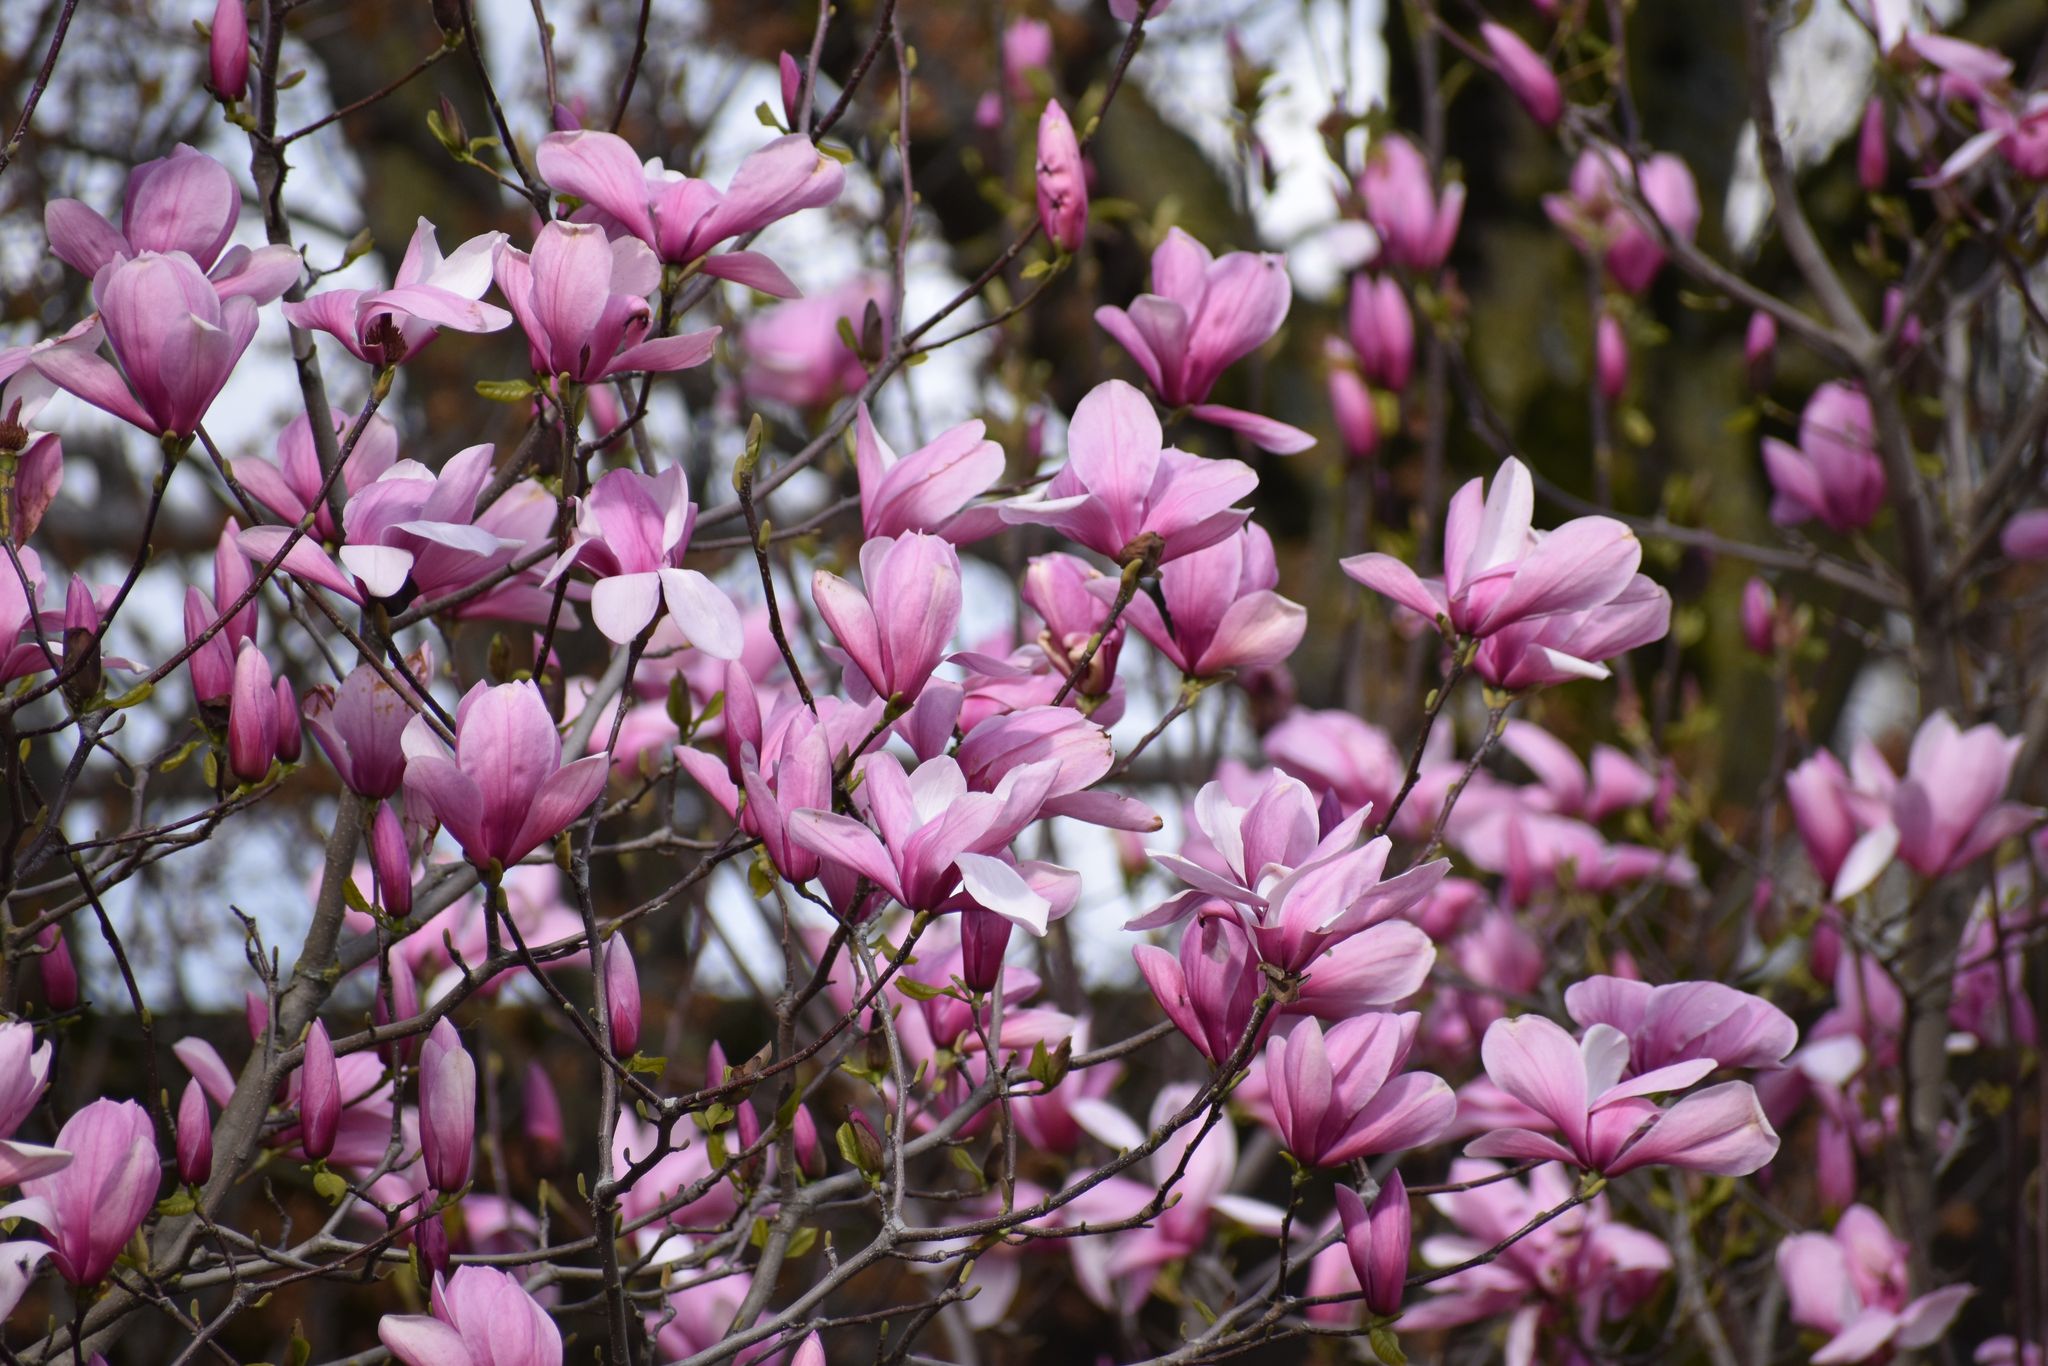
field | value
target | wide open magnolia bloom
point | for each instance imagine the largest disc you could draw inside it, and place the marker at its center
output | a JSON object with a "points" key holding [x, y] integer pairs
{"points": [[582, 302], [504, 791], [174, 338], [186, 202], [1207, 313], [1336, 1097], [92, 1207], [1947, 811], [1541, 652], [895, 627], [1498, 570], [1834, 473], [1224, 612], [940, 846], [1120, 483], [1608, 1124], [292, 483], [682, 219], [1298, 891], [429, 292], [632, 533], [482, 1317], [1853, 1286]]}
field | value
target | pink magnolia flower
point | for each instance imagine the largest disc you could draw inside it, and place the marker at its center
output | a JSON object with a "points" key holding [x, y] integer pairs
{"points": [[292, 483], [174, 338], [940, 845], [1225, 614], [1829, 808], [504, 791], [1060, 589], [1338, 1097], [1298, 890], [632, 532], [1499, 571], [1382, 331], [1527, 76], [622, 995], [794, 351], [1947, 811], [318, 1083], [2025, 535], [447, 1108], [929, 489], [227, 50], [895, 627], [582, 302], [24, 1072], [92, 1207], [1613, 782], [1062, 179], [429, 292], [1681, 1022], [1376, 1241], [1760, 617], [1416, 225], [1834, 473], [1600, 220], [183, 203], [683, 219], [1119, 485], [1338, 753], [1079, 751], [1872, 146], [1563, 1278], [1541, 652], [1207, 314], [1351, 408], [1209, 987], [482, 1317], [1607, 1123], [252, 716], [1852, 1285], [361, 726]]}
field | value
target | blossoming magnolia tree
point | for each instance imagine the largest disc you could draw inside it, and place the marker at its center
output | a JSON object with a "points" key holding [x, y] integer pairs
{"points": [[791, 877]]}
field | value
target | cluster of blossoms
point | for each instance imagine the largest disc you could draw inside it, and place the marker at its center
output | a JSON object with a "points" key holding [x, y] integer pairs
{"points": [[1412, 1067]]}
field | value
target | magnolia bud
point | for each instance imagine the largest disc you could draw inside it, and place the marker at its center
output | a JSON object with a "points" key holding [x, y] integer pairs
{"points": [[290, 739], [404, 1004], [228, 50], [792, 89], [984, 936], [1382, 331], [1351, 406], [391, 862], [211, 665], [859, 1144], [319, 1095], [1610, 358], [447, 1108], [542, 1110], [60, 974], [1872, 153], [803, 1131], [622, 996], [81, 642], [1759, 617], [252, 717], [1062, 180], [1528, 77], [256, 1013], [195, 1136], [1759, 344], [430, 1236]]}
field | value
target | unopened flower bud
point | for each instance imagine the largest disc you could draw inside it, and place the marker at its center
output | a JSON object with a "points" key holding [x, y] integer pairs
{"points": [[1527, 76], [1062, 180], [228, 50], [195, 1136], [1759, 617], [542, 1110], [447, 1108], [391, 862], [59, 973], [622, 995], [252, 717], [319, 1094]]}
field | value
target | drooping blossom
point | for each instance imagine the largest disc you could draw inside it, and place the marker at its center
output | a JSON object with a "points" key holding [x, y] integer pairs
{"points": [[1343, 1095], [1416, 224], [1223, 611], [91, 1208], [1947, 810], [1298, 889], [1499, 571], [504, 791], [1599, 217], [182, 203], [582, 302], [429, 292], [894, 628], [632, 533], [1062, 180], [935, 845], [1607, 1123], [482, 1317], [1205, 314], [1852, 1285], [684, 219], [175, 342], [929, 489], [1120, 484], [1834, 473]]}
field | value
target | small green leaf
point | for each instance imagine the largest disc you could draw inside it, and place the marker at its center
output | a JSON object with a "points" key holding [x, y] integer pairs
{"points": [[1387, 1347], [506, 390]]}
